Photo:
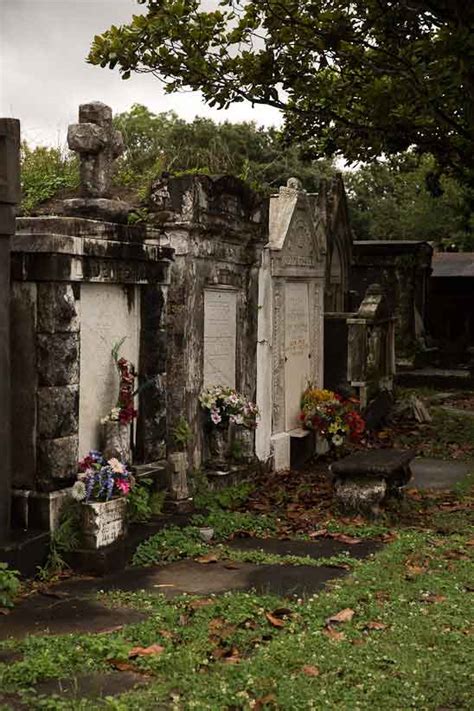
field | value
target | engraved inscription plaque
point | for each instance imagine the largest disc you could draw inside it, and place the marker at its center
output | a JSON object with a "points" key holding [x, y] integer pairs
{"points": [[297, 349], [220, 326]]}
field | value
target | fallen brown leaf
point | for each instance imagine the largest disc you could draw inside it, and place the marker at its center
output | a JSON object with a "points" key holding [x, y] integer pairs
{"points": [[413, 570], [206, 559], [110, 630], [216, 624], [152, 650], [319, 534], [201, 602], [166, 634], [122, 666], [374, 625], [232, 659], [389, 537], [230, 655], [342, 538], [274, 621], [433, 598], [309, 670], [469, 543], [282, 612], [333, 634], [231, 566], [456, 555], [340, 566], [345, 615], [268, 700], [5, 610]]}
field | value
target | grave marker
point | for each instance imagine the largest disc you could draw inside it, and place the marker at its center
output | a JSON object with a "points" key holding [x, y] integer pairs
{"points": [[220, 328]]}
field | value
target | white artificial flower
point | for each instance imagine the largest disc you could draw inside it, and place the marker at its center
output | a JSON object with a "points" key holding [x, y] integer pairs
{"points": [[337, 440], [78, 491]]}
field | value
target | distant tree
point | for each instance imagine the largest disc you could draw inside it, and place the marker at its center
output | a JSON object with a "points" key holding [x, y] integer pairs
{"points": [[393, 199], [164, 142], [360, 79]]}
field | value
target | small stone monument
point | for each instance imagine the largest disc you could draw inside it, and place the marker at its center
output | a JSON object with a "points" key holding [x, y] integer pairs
{"points": [[98, 145], [179, 500]]}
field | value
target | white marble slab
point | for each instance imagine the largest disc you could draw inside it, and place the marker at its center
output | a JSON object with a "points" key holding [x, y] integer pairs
{"points": [[220, 330]]}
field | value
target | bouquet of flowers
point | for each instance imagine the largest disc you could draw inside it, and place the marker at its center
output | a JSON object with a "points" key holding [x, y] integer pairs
{"points": [[334, 417], [124, 412], [100, 479], [223, 405]]}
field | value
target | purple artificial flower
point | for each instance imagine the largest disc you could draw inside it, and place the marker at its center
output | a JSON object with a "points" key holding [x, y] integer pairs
{"points": [[89, 486]]}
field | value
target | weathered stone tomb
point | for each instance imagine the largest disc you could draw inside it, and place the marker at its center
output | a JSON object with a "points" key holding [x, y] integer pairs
{"points": [[80, 286], [216, 228]]}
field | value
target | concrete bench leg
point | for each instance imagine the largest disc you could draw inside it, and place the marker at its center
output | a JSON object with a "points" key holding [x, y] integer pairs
{"points": [[361, 494]]}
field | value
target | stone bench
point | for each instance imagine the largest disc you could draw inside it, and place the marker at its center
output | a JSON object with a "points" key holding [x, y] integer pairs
{"points": [[364, 479]]}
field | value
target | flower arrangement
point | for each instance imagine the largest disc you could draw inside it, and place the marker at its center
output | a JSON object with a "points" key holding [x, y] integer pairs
{"points": [[223, 405], [124, 412], [334, 417], [100, 479]]}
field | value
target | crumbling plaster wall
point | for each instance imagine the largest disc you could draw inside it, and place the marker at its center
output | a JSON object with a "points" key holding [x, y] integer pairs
{"points": [[215, 226]]}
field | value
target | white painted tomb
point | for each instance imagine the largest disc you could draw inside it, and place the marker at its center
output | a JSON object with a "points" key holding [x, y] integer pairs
{"points": [[291, 319]]}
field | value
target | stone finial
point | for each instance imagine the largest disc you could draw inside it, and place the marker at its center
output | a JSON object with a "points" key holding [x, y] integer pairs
{"points": [[294, 184], [98, 145]]}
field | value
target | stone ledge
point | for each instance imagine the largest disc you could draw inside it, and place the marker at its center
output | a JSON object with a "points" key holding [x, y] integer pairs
{"points": [[36, 510]]}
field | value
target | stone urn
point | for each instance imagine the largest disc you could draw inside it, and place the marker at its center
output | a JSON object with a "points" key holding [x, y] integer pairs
{"points": [[219, 446], [116, 439], [103, 522]]}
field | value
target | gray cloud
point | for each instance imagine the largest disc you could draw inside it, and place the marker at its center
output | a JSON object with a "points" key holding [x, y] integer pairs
{"points": [[44, 75]]}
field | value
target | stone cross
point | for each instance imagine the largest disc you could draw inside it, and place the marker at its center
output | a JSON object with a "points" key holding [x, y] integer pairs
{"points": [[9, 196], [98, 145]]}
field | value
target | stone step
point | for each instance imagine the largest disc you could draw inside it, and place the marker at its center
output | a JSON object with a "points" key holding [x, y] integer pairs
{"points": [[302, 447], [25, 551]]}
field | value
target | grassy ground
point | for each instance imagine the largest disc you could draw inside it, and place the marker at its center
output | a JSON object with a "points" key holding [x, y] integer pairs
{"points": [[405, 640], [448, 436]]}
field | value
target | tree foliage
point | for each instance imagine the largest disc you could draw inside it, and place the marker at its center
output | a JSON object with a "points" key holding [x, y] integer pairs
{"points": [[359, 79], [165, 143], [44, 173], [394, 199]]}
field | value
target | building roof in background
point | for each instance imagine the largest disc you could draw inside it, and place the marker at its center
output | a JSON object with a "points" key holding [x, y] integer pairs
{"points": [[453, 264], [400, 246]]}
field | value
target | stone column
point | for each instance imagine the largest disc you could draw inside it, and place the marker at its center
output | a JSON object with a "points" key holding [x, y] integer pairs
{"points": [[9, 196]]}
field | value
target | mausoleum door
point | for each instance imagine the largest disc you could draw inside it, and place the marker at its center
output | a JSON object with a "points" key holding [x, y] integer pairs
{"points": [[297, 349]]}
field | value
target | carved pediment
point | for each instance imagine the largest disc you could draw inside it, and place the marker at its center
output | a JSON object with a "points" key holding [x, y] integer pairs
{"points": [[293, 231]]}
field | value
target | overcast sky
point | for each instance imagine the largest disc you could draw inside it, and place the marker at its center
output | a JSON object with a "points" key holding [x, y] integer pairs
{"points": [[44, 76]]}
